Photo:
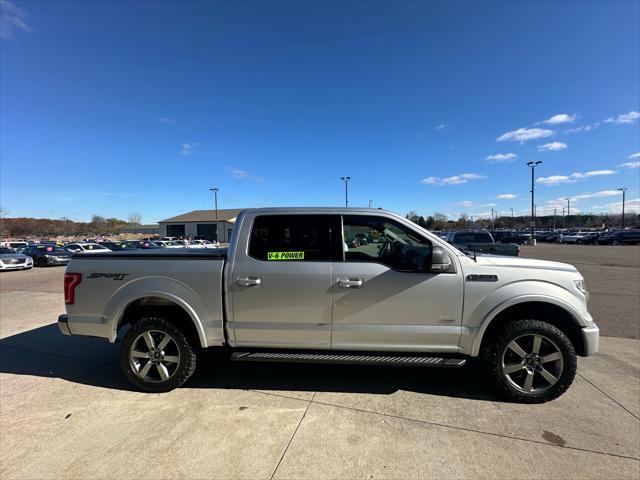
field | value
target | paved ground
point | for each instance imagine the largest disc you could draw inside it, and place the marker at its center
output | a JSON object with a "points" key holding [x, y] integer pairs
{"points": [[66, 412]]}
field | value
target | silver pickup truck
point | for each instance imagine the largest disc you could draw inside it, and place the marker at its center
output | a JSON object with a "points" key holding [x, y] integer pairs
{"points": [[334, 285]]}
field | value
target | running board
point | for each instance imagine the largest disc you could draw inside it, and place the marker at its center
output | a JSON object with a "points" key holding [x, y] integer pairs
{"points": [[348, 359]]}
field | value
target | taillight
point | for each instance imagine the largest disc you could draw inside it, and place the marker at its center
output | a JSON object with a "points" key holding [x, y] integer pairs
{"points": [[71, 281]]}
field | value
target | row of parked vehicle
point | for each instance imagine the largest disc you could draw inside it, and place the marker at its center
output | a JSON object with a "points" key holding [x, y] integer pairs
{"points": [[24, 255]]}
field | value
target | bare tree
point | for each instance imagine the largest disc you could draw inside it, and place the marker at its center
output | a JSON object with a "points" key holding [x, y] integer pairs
{"points": [[135, 218]]}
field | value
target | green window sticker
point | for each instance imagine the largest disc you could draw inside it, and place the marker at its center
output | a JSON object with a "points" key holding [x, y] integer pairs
{"points": [[285, 255]]}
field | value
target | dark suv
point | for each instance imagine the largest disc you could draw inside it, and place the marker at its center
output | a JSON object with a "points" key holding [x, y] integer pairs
{"points": [[631, 237]]}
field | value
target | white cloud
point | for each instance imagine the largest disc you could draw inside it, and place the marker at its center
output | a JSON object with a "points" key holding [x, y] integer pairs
{"points": [[506, 196], [167, 120], [466, 203], [188, 148], [552, 147], [624, 118], [502, 157], [524, 134], [601, 194], [560, 118], [583, 128], [630, 206], [593, 173], [634, 164], [558, 179], [634, 155], [439, 127], [12, 20], [240, 174], [489, 205], [554, 180], [453, 180], [430, 180]]}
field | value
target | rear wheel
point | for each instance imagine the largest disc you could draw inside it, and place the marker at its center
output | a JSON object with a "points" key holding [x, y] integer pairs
{"points": [[156, 356], [531, 361]]}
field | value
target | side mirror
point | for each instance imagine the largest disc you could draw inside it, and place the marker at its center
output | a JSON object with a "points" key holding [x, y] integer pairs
{"points": [[440, 261]]}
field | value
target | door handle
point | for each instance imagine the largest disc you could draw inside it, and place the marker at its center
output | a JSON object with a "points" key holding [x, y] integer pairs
{"points": [[249, 281], [350, 282]]}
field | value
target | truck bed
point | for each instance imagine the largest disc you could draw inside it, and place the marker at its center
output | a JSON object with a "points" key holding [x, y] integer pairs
{"points": [[112, 282]]}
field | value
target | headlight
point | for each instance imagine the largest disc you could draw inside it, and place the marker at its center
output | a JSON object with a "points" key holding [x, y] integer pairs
{"points": [[582, 286]]}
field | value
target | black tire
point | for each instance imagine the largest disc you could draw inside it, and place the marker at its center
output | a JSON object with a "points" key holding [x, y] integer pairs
{"points": [[616, 243], [497, 348], [184, 368], [41, 262]]}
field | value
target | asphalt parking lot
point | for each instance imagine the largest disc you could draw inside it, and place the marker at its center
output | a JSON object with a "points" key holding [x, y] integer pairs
{"points": [[66, 411]]}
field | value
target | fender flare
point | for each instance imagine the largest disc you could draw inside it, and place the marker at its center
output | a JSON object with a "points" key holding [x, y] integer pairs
{"points": [[501, 307], [177, 293]]}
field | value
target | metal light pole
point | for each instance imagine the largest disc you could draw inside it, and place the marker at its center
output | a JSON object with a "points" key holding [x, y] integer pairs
{"points": [[370, 203], [568, 199], [623, 190], [513, 221], [562, 217], [554, 218], [533, 166], [493, 221], [215, 199], [346, 190]]}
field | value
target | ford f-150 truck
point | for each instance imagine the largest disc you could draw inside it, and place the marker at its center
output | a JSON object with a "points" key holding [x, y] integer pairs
{"points": [[290, 288]]}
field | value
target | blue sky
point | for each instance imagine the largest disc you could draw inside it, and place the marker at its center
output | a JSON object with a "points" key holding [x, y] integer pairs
{"points": [[119, 107]]}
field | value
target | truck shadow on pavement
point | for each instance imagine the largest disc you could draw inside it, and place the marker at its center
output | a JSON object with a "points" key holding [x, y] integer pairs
{"points": [[45, 352]]}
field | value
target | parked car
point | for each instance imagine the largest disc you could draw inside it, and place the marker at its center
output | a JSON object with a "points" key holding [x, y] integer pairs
{"points": [[571, 237], [47, 255], [588, 238], [12, 260], [286, 290], [17, 245], [169, 243], [203, 244], [84, 247], [116, 246], [509, 237], [628, 237], [481, 242]]}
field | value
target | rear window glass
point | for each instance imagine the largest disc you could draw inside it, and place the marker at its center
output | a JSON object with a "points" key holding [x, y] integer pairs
{"points": [[291, 238]]}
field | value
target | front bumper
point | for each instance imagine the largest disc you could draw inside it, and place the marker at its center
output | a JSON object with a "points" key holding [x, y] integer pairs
{"points": [[63, 324], [591, 337], [16, 266]]}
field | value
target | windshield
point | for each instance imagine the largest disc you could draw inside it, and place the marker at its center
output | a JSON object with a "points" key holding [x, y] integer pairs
{"points": [[5, 250]]}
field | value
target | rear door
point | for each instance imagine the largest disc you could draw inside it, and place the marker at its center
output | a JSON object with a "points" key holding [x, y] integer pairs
{"points": [[281, 283]]}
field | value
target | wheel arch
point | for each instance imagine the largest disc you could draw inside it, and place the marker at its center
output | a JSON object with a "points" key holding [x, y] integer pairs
{"points": [[159, 303], [552, 311]]}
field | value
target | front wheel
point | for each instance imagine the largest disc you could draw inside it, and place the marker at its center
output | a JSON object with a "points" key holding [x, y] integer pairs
{"points": [[156, 356], [531, 361]]}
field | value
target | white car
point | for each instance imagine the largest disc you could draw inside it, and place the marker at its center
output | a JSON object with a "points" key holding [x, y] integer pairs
{"points": [[12, 260], [169, 244], [85, 247], [203, 244], [572, 237]]}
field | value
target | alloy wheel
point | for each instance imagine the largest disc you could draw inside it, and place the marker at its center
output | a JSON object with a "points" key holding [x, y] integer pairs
{"points": [[532, 363], [154, 356]]}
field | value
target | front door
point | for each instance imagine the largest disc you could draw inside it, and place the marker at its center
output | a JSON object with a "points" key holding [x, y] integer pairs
{"points": [[281, 288], [383, 297]]}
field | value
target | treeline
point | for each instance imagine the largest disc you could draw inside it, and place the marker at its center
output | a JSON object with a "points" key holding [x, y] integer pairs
{"points": [[439, 221], [41, 227]]}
